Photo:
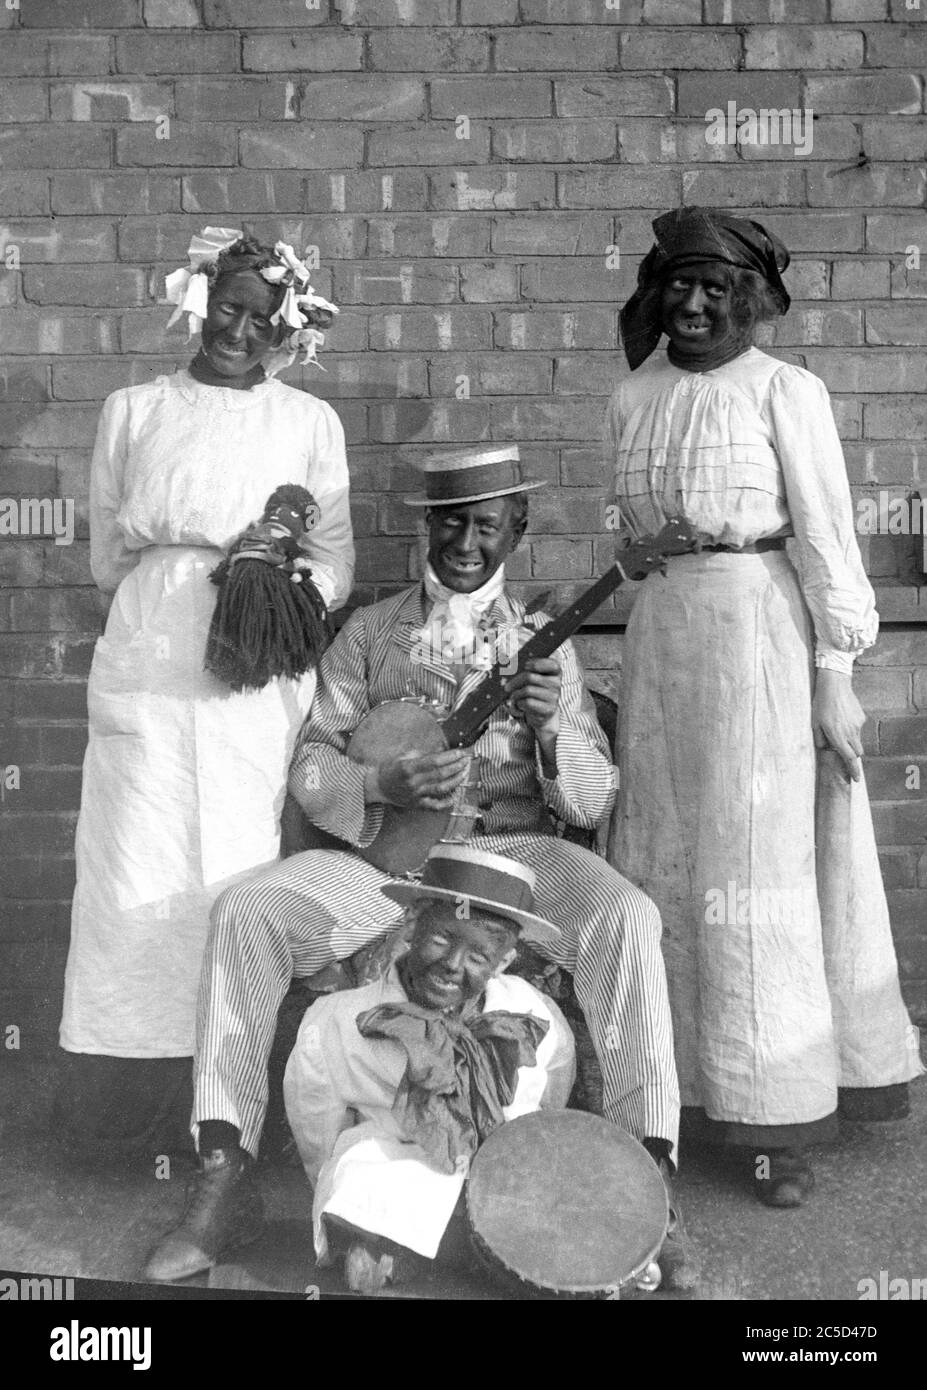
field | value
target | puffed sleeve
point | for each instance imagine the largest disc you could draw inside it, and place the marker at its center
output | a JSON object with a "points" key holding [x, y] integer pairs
{"points": [[331, 543], [826, 553], [110, 557]]}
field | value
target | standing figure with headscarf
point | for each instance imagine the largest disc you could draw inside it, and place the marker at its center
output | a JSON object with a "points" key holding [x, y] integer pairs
{"points": [[185, 775], [738, 664]]}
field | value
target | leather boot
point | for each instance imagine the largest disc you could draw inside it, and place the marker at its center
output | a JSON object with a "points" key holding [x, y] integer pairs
{"points": [[223, 1210], [679, 1261]]}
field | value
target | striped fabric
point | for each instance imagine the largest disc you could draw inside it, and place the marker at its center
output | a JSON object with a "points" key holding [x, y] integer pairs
{"points": [[323, 905]]}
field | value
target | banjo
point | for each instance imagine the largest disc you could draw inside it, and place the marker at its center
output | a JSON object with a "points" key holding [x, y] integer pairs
{"points": [[398, 727]]}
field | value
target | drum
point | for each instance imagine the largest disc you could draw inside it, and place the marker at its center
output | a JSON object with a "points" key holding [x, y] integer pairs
{"points": [[562, 1204]]}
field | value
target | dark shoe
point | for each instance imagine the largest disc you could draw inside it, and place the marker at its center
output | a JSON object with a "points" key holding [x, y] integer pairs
{"points": [[223, 1211], [679, 1262], [782, 1177]]}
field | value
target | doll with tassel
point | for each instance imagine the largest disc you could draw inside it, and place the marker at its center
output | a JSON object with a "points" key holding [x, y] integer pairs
{"points": [[270, 619]]}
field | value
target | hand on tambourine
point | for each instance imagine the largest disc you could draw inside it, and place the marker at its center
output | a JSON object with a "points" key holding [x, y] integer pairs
{"points": [[534, 696], [422, 781], [837, 718]]}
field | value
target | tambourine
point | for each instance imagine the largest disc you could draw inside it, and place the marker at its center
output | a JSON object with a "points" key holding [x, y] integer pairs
{"points": [[562, 1204]]}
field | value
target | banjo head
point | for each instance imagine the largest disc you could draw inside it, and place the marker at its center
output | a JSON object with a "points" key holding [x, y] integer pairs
{"points": [[561, 1203]]}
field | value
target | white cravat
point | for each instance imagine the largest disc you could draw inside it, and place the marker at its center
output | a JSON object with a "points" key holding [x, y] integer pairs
{"points": [[451, 631]]}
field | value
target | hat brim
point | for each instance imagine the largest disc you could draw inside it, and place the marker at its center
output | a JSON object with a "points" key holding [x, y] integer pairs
{"points": [[534, 929], [422, 501]]}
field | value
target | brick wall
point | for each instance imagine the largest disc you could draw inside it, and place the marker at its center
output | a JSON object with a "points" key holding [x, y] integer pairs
{"points": [[464, 167]]}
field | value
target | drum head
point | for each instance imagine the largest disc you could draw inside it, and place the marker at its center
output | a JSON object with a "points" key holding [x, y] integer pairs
{"points": [[566, 1203]]}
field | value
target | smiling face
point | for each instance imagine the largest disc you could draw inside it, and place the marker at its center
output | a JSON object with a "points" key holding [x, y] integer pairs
{"points": [[450, 959], [695, 307], [468, 543], [238, 333]]}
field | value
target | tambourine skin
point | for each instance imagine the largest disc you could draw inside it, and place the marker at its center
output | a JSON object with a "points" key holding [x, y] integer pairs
{"points": [[562, 1204]]}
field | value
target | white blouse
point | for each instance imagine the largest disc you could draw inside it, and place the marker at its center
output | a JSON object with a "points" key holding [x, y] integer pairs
{"points": [[177, 462], [746, 451]]}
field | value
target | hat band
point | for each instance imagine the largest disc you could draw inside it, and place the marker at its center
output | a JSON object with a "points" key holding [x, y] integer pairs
{"points": [[478, 881], [449, 485]]}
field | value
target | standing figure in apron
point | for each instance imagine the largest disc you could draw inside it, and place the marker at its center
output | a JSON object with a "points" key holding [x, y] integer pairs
{"points": [[738, 664], [184, 777]]}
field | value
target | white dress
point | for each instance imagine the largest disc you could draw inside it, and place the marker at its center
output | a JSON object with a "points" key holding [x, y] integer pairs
{"points": [[715, 818], [184, 779]]}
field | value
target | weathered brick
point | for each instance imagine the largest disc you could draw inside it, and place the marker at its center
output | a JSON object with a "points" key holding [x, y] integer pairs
{"points": [[24, 101], [171, 14], [920, 690], [243, 192], [367, 98], [430, 50], [101, 193], [896, 323], [556, 50], [807, 279], [573, 420], [29, 331], [434, 143], [372, 13], [75, 239], [581, 279], [188, 144], [55, 425], [489, 282], [907, 10], [223, 99], [67, 565], [898, 94], [257, 14], [25, 878], [868, 371], [614, 96], [54, 147], [491, 374], [619, 188], [897, 46], [177, 53], [551, 234], [803, 48], [301, 147], [817, 232], [21, 562], [370, 375], [815, 327], [495, 12], [23, 381], [23, 195], [899, 866], [826, 137], [91, 285], [22, 55], [561, 558], [395, 282], [579, 12], [895, 462], [849, 10], [574, 328], [49, 700], [585, 374], [556, 142], [79, 55], [311, 52], [680, 48], [429, 421], [111, 101], [894, 139], [59, 787], [460, 235], [483, 97], [404, 190], [701, 92], [491, 189], [766, 11], [424, 330], [883, 690], [861, 279], [732, 186], [80, 14], [94, 381], [904, 418], [877, 185]]}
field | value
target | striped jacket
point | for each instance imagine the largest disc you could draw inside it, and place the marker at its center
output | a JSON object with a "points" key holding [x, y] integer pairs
{"points": [[379, 655]]}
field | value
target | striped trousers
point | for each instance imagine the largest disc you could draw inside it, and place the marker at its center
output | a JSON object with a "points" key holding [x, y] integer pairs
{"points": [[323, 905]]}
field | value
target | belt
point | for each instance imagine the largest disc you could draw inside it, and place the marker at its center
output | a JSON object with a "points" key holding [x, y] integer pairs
{"points": [[757, 548]]}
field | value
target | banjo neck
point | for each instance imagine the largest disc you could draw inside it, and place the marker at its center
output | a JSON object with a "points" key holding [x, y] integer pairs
{"points": [[462, 727]]}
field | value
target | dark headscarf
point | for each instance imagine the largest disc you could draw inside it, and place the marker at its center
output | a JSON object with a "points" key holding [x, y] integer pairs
{"points": [[682, 237]]}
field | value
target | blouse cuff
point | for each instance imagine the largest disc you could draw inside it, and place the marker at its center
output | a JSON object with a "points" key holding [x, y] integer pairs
{"points": [[827, 659]]}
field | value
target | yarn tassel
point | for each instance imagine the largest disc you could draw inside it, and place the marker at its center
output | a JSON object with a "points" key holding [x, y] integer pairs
{"points": [[264, 624]]}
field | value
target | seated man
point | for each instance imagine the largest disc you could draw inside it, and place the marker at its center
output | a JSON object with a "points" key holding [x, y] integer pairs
{"points": [[544, 756], [381, 1084]]}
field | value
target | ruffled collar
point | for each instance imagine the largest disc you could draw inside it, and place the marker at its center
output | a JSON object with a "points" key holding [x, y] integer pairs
{"points": [[225, 397]]}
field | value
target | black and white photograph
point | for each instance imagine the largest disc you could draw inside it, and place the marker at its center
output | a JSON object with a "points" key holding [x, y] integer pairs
{"points": [[463, 663]]}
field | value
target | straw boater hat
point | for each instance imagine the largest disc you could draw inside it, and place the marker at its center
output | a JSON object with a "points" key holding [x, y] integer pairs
{"points": [[488, 881], [472, 475]]}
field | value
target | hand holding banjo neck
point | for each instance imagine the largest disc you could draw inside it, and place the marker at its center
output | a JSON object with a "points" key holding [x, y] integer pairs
{"points": [[463, 726], [399, 727]]}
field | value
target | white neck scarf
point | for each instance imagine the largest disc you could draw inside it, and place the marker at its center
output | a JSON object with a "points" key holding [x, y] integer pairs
{"points": [[451, 632]]}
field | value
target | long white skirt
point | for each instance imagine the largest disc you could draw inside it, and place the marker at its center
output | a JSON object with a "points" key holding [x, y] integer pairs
{"points": [[183, 788], [715, 820]]}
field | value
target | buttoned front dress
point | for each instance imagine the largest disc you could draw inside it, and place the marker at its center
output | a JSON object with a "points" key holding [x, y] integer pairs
{"points": [[715, 816], [184, 779]]}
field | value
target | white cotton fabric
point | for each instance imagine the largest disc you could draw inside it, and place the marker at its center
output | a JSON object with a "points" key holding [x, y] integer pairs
{"points": [[715, 819], [184, 780], [339, 1090]]}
